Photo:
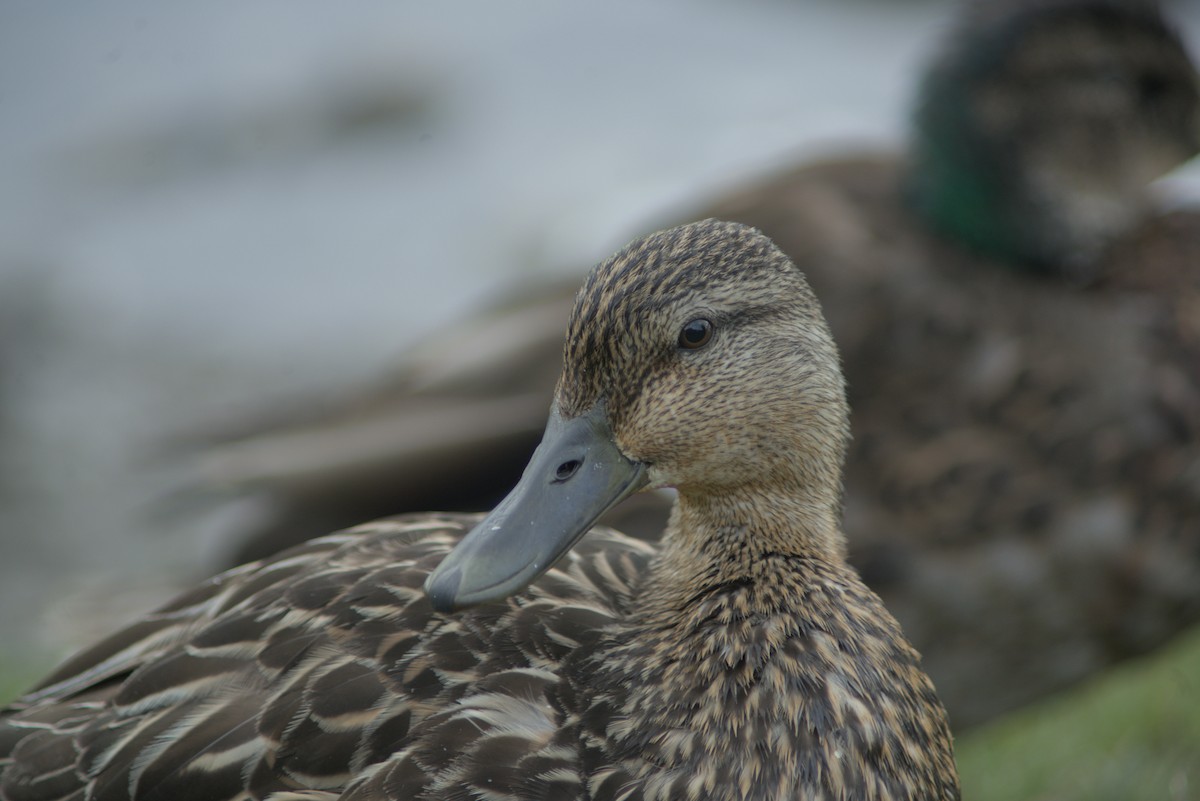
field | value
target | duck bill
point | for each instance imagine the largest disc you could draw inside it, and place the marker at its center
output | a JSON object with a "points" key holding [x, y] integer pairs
{"points": [[576, 474]]}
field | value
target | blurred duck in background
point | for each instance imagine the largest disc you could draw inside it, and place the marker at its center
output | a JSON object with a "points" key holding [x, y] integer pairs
{"points": [[1019, 329]]}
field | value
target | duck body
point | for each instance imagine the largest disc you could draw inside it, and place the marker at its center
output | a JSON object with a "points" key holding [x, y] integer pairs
{"points": [[327, 663], [461, 657]]}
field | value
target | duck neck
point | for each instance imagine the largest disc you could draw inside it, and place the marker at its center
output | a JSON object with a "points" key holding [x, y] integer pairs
{"points": [[718, 539]]}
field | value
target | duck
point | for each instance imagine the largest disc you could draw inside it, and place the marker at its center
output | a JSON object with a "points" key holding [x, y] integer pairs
{"points": [[1015, 311], [517, 656]]}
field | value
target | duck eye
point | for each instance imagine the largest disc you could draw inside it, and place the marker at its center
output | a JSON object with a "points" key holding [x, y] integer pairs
{"points": [[695, 334]]}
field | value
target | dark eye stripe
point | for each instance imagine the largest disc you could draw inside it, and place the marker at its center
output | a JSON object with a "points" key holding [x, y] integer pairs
{"points": [[695, 334]]}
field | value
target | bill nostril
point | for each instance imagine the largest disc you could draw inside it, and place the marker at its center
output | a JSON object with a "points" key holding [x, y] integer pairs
{"points": [[567, 469]]}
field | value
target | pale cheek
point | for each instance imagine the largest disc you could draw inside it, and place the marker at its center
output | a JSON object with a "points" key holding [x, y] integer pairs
{"points": [[692, 430], [659, 478], [667, 422], [690, 454]]}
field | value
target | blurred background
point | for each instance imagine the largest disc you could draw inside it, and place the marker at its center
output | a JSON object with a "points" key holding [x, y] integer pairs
{"points": [[207, 210]]}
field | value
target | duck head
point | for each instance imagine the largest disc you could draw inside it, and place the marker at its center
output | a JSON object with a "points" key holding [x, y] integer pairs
{"points": [[696, 358], [1038, 128]]}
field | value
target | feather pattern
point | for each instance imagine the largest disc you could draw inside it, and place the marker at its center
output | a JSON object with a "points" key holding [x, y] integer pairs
{"points": [[302, 671], [325, 669]]}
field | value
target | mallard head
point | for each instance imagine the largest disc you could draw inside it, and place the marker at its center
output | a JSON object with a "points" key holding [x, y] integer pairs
{"points": [[1038, 128], [696, 358]]}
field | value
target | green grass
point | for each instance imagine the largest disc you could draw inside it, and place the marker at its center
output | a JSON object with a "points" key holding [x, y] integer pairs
{"points": [[16, 679], [1132, 734]]}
